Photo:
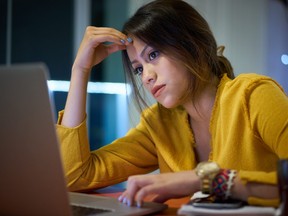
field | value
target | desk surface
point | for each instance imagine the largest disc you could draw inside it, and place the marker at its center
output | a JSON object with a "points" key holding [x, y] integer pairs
{"points": [[173, 204]]}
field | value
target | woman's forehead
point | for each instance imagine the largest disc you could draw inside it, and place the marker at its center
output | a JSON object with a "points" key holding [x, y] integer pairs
{"points": [[136, 49]]}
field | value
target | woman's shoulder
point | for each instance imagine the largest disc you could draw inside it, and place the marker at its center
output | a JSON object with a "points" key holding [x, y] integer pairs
{"points": [[251, 77], [247, 82]]}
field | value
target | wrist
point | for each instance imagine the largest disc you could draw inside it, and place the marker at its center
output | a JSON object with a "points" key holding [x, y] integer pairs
{"points": [[222, 184], [215, 181], [79, 77], [239, 190], [80, 72], [206, 171]]}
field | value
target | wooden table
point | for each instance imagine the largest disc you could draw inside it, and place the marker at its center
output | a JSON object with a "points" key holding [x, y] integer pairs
{"points": [[173, 204]]}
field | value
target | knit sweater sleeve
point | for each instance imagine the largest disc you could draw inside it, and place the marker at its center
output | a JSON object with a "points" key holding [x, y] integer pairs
{"points": [[267, 107], [133, 154]]}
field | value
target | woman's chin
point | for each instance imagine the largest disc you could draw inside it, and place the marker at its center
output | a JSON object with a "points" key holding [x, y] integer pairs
{"points": [[168, 104]]}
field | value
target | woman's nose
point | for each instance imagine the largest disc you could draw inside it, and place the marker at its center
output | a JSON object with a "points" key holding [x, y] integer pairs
{"points": [[149, 76]]}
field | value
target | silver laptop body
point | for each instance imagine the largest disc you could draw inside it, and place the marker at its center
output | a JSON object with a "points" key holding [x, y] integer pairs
{"points": [[31, 175]]}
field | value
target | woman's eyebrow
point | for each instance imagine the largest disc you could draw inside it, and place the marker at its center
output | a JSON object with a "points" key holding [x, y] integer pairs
{"points": [[141, 54], [143, 51]]}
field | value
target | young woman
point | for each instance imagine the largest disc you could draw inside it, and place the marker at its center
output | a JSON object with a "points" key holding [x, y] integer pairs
{"points": [[207, 126]]}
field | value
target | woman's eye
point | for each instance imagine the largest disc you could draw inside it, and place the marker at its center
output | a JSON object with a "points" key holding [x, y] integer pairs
{"points": [[153, 55], [138, 71]]}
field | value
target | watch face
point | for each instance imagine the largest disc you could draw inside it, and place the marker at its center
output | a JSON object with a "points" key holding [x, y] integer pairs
{"points": [[207, 168]]}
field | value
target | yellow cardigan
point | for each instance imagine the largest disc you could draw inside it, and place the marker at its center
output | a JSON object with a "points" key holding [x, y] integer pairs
{"points": [[249, 133]]}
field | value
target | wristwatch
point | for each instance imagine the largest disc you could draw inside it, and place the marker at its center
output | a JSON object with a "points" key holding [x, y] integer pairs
{"points": [[207, 171]]}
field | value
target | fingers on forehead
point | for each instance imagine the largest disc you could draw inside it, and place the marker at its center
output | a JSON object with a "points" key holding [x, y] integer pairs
{"points": [[106, 31]]}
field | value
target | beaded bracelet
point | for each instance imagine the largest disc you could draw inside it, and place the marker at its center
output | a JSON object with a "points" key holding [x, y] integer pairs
{"points": [[222, 183]]}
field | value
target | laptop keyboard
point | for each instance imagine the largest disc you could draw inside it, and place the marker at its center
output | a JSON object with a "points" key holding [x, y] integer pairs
{"points": [[85, 211]]}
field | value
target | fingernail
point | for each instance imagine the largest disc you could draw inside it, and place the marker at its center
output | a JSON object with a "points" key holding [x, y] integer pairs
{"points": [[129, 40], [122, 41], [129, 202], [124, 200], [120, 198], [139, 204]]}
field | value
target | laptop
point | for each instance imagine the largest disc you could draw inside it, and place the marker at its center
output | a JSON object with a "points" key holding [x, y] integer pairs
{"points": [[32, 181]]}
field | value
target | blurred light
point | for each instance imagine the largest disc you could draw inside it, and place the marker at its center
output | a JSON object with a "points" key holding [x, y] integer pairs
{"points": [[284, 59], [93, 87]]}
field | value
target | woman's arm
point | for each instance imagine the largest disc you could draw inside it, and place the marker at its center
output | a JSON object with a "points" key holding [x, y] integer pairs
{"points": [[243, 191], [71, 128], [75, 108], [161, 187], [91, 52]]}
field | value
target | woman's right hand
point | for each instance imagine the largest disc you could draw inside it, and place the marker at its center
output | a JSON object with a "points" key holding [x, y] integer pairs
{"points": [[92, 49]]}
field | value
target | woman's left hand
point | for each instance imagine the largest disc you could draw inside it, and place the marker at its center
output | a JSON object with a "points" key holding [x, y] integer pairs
{"points": [[161, 186]]}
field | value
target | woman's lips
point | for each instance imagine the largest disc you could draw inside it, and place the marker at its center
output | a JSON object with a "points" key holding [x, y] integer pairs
{"points": [[156, 91]]}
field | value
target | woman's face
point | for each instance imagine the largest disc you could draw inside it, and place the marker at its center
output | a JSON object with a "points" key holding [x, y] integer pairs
{"points": [[167, 80]]}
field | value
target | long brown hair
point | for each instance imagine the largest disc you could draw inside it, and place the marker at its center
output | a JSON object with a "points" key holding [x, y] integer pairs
{"points": [[176, 29]]}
